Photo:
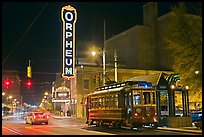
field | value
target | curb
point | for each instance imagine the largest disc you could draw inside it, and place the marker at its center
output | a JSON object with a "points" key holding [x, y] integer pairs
{"points": [[181, 130]]}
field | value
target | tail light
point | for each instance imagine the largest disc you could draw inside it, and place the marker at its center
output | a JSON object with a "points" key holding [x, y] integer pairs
{"points": [[47, 116]]}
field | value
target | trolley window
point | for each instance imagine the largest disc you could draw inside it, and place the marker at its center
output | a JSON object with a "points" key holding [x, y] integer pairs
{"points": [[136, 97], [153, 98], [146, 96]]}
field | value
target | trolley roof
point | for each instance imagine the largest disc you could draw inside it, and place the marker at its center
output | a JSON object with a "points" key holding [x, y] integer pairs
{"points": [[119, 86]]}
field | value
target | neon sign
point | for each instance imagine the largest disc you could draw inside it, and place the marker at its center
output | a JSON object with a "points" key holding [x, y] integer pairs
{"points": [[69, 17]]}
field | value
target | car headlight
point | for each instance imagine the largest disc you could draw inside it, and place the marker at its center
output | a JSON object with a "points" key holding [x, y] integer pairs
{"points": [[200, 115], [155, 120]]}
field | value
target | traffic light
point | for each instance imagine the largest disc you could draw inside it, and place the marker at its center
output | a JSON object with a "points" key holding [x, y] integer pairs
{"points": [[29, 73], [7, 83], [28, 83]]}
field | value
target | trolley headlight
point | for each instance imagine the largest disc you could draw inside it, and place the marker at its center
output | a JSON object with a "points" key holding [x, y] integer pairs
{"points": [[136, 114]]}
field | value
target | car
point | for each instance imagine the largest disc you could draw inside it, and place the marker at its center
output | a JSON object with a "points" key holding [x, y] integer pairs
{"points": [[197, 119], [36, 118]]}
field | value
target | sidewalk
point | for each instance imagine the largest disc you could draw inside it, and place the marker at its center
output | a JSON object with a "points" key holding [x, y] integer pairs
{"points": [[7, 117], [192, 129], [61, 117]]}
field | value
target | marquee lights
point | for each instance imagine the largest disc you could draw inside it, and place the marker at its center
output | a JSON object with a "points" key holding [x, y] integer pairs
{"points": [[69, 17]]}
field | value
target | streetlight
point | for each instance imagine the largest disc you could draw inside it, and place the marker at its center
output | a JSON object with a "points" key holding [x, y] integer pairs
{"points": [[196, 72], [93, 53], [46, 93]]}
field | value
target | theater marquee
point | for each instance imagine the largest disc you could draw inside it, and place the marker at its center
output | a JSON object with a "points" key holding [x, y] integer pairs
{"points": [[69, 17]]}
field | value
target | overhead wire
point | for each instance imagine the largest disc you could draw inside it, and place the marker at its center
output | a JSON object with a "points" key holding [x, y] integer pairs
{"points": [[25, 33]]}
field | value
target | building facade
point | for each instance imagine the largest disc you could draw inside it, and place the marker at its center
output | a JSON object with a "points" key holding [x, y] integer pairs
{"points": [[143, 47]]}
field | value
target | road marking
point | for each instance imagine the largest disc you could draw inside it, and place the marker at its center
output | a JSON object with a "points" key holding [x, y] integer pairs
{"points": [[12, 130], [101, 133], [46, 132]]}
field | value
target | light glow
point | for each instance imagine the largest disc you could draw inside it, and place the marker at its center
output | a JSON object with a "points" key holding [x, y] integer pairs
{"points": [[93, 53]]}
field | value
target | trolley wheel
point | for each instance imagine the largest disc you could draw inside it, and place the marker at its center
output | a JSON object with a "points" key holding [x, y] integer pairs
{"points": [[131, 127], [155, 126], [98, 124]]}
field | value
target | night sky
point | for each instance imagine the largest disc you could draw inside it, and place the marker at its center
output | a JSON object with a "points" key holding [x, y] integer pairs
{"points": [[28, 33]]}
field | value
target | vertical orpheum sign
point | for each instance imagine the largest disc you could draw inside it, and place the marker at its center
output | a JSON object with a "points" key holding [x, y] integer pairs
{"points": [[69, 17]]}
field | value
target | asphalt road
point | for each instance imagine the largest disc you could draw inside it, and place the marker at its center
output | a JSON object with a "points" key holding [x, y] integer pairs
{"points": [[73, 126]]}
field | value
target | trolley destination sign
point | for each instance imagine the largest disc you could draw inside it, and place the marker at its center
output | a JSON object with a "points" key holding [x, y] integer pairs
{"points": [[69, 17]]}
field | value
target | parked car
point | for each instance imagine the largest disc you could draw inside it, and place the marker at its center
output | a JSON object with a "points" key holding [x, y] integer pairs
{"points": [[197, 118], [37, 118]]}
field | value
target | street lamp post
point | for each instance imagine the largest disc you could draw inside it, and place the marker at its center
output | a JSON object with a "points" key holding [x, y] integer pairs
{"points": [[115, 61], [82, 88], [104, 66], [104, 55], [11, 103]]}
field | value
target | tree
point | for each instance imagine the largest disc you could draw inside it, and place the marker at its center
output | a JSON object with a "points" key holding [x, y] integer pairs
{"points": [[184, 40]]}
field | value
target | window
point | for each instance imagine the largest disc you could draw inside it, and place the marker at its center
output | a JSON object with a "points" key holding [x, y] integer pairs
{"points": [[116, 101], [103, 101], [100, 102], [146, 96], [153, 98], [107, 101], [136, 98], [86, 84], [111, 99], [130, 99]]}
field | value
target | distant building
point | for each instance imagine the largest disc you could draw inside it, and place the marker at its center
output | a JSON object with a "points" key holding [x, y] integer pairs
{"points": [[143, 47]]}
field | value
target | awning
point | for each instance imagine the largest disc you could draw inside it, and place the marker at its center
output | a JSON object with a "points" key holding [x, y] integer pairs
{"points": [[157, 79]]}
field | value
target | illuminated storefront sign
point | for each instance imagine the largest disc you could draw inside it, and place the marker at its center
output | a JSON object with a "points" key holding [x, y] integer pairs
{"points": [[69, 17]]}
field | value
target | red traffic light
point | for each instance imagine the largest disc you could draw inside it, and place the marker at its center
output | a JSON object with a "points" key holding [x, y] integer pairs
{"points": [[28, 83], [7, 83]]}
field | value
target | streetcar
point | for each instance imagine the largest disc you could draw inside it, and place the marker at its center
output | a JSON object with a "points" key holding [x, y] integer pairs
{"points": [[130, 104]]}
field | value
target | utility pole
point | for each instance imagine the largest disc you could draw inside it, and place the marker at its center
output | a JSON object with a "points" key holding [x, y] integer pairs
{"points": [[82, 88], [104, 56], [115, 60]]}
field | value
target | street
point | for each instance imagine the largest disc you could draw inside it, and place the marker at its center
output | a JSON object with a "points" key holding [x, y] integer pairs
{"points": [[73, 126]]}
